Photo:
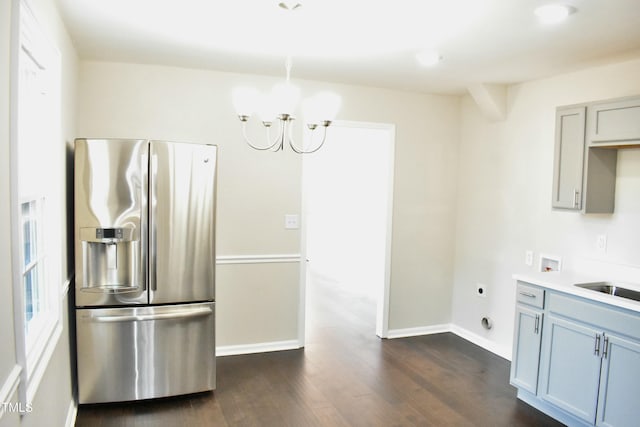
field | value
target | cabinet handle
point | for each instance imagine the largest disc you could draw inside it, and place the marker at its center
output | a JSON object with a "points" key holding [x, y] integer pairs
{"points": [[596, 350], [537, 324], [605, 349], [576, 197], [527, 294]]}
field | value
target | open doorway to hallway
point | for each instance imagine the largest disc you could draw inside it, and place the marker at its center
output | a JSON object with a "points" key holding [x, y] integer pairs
{"points": [[347, 206]]}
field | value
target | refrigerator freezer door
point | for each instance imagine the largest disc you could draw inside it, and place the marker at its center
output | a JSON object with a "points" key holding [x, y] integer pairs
{"points": [[110, 199], [145, 352], [182, 191]]}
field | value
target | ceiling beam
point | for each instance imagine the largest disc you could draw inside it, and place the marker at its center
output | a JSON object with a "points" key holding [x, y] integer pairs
{"points": [[491, 99]]}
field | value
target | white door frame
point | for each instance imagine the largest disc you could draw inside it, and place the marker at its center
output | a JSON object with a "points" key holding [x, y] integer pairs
{"points": [[382, 305]]}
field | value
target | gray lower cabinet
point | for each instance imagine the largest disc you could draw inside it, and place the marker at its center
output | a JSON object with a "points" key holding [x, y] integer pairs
{"points": [[571, 367], [527, 339], [619, 382], [584, 366]]}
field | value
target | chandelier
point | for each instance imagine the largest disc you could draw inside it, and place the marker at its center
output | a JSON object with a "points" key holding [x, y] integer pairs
{"points": [[279, 105]]}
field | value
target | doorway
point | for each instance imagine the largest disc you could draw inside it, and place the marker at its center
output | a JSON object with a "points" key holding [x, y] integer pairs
{"points": [[347, 199]]}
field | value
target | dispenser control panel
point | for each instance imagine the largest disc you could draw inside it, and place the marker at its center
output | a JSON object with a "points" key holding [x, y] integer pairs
{"points": [[109, 233]]}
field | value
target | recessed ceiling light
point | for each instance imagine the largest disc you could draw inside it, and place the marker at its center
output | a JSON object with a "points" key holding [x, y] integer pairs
{"points": [[553, 13], [428, 58]]}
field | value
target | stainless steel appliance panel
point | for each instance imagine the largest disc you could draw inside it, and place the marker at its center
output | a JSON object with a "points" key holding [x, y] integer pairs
{"points": [[182, 222], [110, 187], [145, 352]]}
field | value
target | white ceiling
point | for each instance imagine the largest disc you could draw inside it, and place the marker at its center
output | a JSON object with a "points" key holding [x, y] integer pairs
{"points": [[363, 42]]}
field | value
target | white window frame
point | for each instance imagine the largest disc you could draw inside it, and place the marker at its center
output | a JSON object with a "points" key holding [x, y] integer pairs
{"points": [[35, 347], [38, 264]]}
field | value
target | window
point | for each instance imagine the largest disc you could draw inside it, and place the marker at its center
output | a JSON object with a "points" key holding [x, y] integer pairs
{"points": [[38, 180], [32, 263], [36, 302]]}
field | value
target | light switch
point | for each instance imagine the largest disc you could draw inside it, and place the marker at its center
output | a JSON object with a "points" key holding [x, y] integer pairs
{"points": [[291, 222], [528, 258]]}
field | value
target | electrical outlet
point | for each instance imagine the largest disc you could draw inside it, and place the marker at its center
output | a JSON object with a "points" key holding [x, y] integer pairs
{"points": [[481, 290], [528, 259], [601, 242], [291, 222]]}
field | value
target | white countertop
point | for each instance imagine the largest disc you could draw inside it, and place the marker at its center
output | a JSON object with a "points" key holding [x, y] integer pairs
{"points": [[565, 281]]}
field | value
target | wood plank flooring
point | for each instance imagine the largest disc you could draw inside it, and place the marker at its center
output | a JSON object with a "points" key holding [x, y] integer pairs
{"points": [[345, 376]]}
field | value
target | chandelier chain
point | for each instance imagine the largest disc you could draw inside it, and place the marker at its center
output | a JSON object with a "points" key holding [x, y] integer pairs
{"points": [[287, 67]]}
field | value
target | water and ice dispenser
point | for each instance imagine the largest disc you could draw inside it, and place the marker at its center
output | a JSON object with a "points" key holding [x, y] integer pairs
{"points": [[110, 259]]}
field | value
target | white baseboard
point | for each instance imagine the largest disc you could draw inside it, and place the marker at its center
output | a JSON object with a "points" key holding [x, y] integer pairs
{"points": [[421, 330], [505, 353], [476, 339], [10, 386], [257, 259], [72, 413], [265, 347], [454, 329]]}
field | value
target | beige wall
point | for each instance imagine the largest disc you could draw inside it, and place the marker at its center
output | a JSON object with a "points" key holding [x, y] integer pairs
{"points": [[7, 355], [470, 196], [256, 189], [426, 157], [504, 199], [54, 395]]}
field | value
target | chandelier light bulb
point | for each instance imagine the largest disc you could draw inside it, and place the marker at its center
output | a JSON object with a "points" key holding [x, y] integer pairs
{"points": [[329, 104], [245, 100], [284, 97], [267, 112], [311, 112], [320, 109]]}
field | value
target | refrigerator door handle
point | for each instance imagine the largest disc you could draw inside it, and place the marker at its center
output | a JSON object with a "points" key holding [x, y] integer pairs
{"points": [[182, 314], [153, 211], [144, 215]]}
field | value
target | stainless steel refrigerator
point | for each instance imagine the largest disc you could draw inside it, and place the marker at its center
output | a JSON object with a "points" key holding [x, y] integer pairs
{"points": [[145, 268]]}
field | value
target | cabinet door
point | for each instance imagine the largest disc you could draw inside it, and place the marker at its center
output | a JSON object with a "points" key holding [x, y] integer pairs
{"points": [[620, 383], [600, 180], [569, 158], [570, 367], [526, 349], [615, 123]]}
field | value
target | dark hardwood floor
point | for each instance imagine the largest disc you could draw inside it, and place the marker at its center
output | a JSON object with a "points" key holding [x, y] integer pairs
{"points": [[345, 376]]}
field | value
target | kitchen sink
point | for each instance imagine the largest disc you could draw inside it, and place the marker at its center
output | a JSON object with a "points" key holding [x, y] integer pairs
{"points": [[611, 289]]}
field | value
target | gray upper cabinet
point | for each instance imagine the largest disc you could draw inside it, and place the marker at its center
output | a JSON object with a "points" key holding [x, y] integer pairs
{"points": [[587, 140], [569, 158], [614, 123], [600, 180]]}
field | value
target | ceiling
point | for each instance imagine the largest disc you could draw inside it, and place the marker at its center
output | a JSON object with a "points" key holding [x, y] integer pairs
{"points": [[362, 42]]}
